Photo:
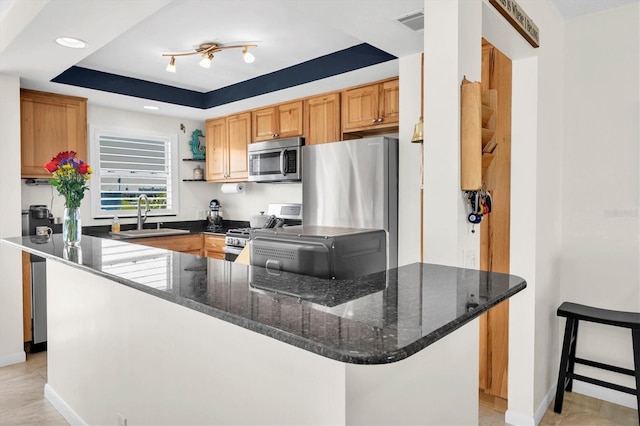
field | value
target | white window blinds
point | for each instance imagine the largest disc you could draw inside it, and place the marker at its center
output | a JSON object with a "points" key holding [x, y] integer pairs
{"points": [[127, 164]]}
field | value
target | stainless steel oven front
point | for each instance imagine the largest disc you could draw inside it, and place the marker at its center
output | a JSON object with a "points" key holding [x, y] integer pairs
{"points": [[278, 160]]}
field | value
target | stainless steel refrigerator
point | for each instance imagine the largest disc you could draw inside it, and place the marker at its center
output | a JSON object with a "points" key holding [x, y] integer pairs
{"points": [[353, 184]]}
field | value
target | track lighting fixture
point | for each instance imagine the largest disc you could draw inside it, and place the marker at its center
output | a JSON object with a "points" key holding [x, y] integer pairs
{"points": [[207, 50]]}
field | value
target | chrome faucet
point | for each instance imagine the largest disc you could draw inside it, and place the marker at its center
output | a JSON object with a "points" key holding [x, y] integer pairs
{"points": [[146, 202]]}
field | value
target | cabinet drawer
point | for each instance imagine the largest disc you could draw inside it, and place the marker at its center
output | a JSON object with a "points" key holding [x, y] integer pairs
{"points": [[214, 243], [182, 243]]}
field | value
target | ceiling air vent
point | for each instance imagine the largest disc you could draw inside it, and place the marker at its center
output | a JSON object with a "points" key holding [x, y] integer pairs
{"points": [[414, 21]]}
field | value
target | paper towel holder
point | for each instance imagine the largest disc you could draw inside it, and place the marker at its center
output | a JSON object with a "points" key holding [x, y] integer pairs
{"points": [[232, 188]]}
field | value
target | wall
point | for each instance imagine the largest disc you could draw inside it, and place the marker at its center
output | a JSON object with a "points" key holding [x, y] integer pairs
{"points": [[536, 170], [194, 196], [11, 340], [452, 50], [409, 161], [601, 182]]}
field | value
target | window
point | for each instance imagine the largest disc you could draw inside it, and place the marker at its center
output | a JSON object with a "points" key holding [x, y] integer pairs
{"points": [[129, 163]]}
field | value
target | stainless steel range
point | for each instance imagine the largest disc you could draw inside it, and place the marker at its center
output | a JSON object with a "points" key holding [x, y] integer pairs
{"points": [[279, 215], [235, 240]]}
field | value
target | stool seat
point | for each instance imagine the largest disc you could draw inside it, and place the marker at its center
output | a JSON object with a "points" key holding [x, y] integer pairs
{"points": [[575, 313], [599, 315]]}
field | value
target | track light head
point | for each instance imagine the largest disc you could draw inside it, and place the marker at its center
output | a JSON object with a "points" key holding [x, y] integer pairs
{"points": [[206, 60], [172, 65], [248, 57]]}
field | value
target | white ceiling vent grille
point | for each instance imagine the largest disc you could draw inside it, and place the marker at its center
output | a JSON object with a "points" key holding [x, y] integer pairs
{"points": [[413, 21]]}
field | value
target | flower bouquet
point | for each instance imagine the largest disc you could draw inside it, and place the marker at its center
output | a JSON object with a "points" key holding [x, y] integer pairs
{"points": [[69, 176]]}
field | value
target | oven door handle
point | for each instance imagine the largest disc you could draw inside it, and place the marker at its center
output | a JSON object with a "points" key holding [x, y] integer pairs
{"points": [[231, 250]]}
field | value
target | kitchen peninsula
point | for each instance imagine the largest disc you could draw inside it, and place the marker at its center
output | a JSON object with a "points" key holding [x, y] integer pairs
{"points": [[160, 337]]}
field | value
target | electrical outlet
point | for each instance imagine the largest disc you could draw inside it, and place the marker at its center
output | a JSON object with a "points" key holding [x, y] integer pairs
{"points": [[122, 420], [470, 258]]}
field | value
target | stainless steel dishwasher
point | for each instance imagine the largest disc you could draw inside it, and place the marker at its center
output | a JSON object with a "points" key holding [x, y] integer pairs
{"points": [[38, 268]]}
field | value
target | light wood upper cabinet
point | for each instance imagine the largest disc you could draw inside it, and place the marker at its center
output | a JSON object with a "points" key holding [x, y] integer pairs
{"points": [[322, 119], [227, 139], [371, 107], [279, 121], [216, 140], [49, 124]]}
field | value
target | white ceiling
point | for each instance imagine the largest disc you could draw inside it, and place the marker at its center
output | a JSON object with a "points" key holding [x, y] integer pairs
{"points": [[573, 8], [128, 37]]}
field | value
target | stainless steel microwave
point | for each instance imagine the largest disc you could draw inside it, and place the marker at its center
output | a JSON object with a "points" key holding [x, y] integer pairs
{"points": [[278, 160]]}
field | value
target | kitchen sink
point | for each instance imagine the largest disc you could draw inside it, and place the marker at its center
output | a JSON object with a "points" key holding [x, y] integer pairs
{"points": [[142, 233]]}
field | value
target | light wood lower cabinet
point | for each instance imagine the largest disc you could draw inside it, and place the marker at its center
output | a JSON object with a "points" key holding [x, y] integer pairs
{"points": [[191, 243], [213, 246]]}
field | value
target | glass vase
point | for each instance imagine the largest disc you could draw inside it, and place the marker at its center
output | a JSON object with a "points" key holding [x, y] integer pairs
{"points": [[71, 226]]}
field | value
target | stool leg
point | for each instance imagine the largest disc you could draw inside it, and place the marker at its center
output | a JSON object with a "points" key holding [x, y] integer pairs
{"points": [[564, 364], [635, 335], [572, 354]]}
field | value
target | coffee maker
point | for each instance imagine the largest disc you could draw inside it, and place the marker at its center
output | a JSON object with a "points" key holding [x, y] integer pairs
{"points": [[214, 218], [39, 215]]}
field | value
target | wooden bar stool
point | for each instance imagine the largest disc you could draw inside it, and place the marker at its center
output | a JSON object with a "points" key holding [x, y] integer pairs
{"points": [[576, 313]]}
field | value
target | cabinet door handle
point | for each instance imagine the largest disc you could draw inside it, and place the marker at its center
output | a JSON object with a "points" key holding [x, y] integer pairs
{"points": [[275, 135], [374, 120], [379, 119]]}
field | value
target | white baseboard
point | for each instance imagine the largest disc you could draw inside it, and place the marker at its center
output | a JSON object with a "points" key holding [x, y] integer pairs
{"points": [[10, 359], [605, 394], [513, 418], [546, 402], [62, 407]]}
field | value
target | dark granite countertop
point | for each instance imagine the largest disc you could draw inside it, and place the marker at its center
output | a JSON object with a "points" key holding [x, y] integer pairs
{"points": [[375, 319], [193, 226]]}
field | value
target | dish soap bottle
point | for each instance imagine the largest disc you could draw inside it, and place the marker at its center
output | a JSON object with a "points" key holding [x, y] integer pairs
{"points": [[115, 225]]}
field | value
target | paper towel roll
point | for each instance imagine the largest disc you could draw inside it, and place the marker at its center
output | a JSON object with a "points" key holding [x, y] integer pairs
{"points": [[232, 188]]}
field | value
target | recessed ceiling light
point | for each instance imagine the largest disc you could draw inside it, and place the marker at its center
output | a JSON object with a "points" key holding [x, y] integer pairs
{"points": [[150, 107], [74, 43]]}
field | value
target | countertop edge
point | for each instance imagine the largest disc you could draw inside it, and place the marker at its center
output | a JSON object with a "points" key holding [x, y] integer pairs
{"points": [[286, 337]]}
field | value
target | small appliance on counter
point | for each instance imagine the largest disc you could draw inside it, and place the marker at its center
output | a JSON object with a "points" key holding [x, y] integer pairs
{"points": [[278, 215], [320, 251], [39, 215], [214, 217]]}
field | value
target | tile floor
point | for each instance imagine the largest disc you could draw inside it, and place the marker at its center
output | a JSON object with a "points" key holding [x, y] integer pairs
{"points": [[22, 402], [22, 399], [577, 410]]}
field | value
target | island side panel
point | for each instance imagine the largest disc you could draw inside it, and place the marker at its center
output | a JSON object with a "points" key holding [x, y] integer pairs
{"points": [[436, 386], [115, 350]]}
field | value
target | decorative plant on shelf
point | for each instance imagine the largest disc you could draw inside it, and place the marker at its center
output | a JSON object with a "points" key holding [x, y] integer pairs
{"points": [[69, 176]]}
